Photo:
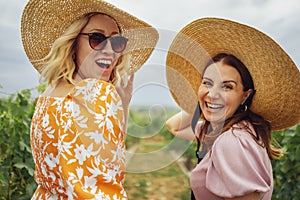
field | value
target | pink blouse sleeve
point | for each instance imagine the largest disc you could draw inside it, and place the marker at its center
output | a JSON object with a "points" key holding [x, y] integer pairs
{"points": [[93, 155], [239, 166]]}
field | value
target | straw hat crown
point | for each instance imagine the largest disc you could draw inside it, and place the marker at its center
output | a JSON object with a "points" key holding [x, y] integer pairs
{"points": [[43, 21], [275, 75]]}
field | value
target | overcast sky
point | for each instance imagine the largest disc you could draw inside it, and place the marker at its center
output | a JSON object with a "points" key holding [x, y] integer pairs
{"points": [[280, 19]]}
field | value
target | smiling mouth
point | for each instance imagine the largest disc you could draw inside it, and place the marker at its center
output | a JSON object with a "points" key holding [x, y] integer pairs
{"points": [[214, 106], [104, 64]]}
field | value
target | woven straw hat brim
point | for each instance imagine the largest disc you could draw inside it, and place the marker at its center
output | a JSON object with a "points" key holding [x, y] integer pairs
{"points": [[276, 77], [43, 21]]}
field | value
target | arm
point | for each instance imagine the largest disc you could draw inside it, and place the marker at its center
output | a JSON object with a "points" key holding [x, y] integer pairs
{"points": [[252, 196], [180, 125]]}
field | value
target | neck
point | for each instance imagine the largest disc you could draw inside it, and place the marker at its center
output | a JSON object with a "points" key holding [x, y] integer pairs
{"points": [[78, 77]]}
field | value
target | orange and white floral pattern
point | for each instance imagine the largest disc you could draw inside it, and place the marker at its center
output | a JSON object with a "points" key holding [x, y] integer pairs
{"points": [[78, 144]]}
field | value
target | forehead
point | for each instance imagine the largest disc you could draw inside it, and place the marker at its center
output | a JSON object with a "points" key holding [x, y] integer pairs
{"points": [[103, 23], [222, 72]]}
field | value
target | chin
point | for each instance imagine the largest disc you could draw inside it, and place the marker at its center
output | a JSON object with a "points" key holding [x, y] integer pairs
{"points": [[215, 119]]}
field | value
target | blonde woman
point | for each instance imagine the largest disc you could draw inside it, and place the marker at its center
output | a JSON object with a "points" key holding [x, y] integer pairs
{"points": [[87, 51]]}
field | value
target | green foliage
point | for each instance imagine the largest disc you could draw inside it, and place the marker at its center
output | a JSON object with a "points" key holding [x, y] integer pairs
{"points": [[287, 169], [16, 163]]}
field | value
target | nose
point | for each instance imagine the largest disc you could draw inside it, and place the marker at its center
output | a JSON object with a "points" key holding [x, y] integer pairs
{"points": [[107, 48], [214, 93]]}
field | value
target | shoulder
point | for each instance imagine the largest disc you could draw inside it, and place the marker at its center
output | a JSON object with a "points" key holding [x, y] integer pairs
{"points": [[237, 160], [240, 142], [90, 84], [242, 132], [91, 89]]}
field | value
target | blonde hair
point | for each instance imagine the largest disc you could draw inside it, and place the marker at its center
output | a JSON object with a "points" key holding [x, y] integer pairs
{"points": [[59, 64]]}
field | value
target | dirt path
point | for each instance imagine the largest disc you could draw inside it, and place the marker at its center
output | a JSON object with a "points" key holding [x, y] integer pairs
{"points": [[168, 182]]}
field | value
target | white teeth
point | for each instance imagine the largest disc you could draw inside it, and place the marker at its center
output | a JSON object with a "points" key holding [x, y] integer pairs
{"points": [[214, 106], [105, 62]]}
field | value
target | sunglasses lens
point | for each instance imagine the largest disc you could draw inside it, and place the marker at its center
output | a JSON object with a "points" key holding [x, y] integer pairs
{"points": [[118, 43], [97, 41]]}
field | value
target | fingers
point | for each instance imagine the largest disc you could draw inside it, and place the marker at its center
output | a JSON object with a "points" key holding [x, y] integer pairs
{"points": [[130, 79]]}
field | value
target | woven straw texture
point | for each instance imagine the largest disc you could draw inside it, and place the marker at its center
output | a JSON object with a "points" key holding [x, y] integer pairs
{"points": [[43, 21], [276, 77]]}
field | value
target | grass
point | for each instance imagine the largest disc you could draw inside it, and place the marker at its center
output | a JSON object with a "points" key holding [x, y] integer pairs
{"points": [[165, 183]]}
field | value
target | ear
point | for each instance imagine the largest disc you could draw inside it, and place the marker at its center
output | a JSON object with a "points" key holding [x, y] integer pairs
{"points": [[246, 95]]}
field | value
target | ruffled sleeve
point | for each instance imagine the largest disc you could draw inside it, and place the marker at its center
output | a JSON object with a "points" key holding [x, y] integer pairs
{"points": [[239, 166], [92, 157]]}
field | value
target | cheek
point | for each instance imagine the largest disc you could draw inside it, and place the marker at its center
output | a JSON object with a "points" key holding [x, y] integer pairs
{"points": [[201, 96], [82, 51], [232, 103], [201, 92], [116, 62]]}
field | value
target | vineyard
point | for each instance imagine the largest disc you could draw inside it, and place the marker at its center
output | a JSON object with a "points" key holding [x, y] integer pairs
{"points": [[162, 173]]}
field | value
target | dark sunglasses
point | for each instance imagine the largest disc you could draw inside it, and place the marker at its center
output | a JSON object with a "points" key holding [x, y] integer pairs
{"points": [[98, 41]]}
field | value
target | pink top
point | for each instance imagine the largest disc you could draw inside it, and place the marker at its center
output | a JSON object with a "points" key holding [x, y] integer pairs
{"points": [[235, 166]]}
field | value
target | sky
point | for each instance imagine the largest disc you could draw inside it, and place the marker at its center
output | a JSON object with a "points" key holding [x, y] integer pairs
{"points": [[278, 19]]}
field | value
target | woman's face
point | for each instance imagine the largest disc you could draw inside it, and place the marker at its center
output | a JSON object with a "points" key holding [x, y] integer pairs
{"points": [[221, 92], [96, 64]]}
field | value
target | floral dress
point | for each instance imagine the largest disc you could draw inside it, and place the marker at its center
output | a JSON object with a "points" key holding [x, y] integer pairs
{"points": [[78, 144]]}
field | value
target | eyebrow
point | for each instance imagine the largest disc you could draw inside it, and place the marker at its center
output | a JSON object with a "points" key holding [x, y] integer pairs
{"points": [[102, 31], [207, 79], [227, 81], [230, 81]]}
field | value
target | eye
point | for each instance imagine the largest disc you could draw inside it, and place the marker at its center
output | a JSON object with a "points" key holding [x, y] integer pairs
{"points": [[207, 83], [227, 87]]}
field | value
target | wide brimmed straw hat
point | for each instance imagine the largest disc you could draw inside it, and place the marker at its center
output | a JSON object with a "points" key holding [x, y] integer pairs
{"points": [[43, 21], [275, 75]]}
